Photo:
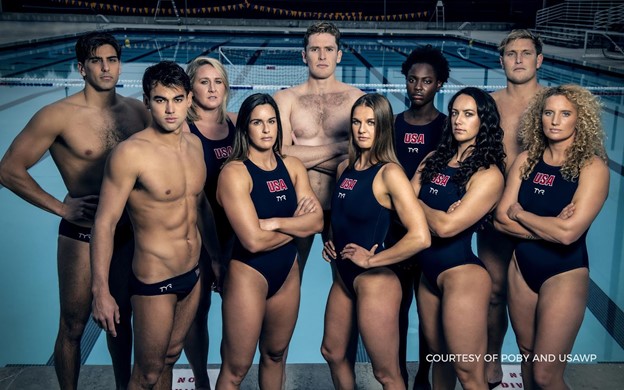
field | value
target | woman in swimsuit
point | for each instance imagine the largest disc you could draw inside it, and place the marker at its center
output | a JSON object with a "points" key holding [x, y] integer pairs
{"points": [[554, 191], [268, 199], [367, 291], [458, 185]]}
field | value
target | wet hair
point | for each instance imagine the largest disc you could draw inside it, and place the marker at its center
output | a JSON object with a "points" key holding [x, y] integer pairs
{"points": [[383, 143], [320, 28], [488, 148], [87, 45], [588, 140], [166, 73], [191, 70], [428, 55], [240, 150], [521, 34]]}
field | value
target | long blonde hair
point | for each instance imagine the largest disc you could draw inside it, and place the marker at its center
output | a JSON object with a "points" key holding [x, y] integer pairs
{"points": [[588, 140]]}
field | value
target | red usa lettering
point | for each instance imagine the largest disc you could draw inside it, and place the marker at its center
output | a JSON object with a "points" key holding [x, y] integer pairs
{"points": [[544, 179], [414, 138], [223, 152], [348, 184], [440, 179], [276, 185]]}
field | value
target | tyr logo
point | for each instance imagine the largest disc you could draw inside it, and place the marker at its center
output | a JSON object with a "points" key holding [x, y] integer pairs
{"points": [[414, 138], [538, 191], [165, 288], [222, 153], [348, 184], [276, 185], [544, 179], [280, 198]]}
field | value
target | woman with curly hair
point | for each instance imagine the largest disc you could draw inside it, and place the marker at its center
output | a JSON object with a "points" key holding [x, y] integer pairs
{"points": [[458, 185], [554, 191]]}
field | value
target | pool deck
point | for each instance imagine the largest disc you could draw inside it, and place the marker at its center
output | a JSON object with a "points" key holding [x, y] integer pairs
{"points": [[301, 377]]}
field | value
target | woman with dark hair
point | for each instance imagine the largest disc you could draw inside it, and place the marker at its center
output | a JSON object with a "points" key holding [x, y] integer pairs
{"points": [[458, 185], [367, 291], [268, 199], [554, 191]]}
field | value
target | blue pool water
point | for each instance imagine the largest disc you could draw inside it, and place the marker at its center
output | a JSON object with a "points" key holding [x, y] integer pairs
{"points": [[38, 75]]}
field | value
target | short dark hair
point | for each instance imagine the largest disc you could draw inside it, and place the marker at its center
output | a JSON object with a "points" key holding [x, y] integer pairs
{"points": [[166, 73], [321, 28], [88, 44], [428, 55]]}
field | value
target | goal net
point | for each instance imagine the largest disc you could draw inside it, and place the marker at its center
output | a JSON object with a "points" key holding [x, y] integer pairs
{"points": [[254, 69]]}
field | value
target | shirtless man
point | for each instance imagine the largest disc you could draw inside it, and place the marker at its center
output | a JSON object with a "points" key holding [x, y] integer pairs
{"points": [[158, 175], [521, 57], [316, 117], [79, 132]]}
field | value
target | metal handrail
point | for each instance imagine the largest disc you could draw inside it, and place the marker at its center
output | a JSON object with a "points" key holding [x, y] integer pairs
{"points": [[608, 17], [573, 11]]}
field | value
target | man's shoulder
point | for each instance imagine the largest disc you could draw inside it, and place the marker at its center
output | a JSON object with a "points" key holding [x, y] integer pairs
{"points": [[498, 94], [130, 103], [294, 90], [135, 143]]}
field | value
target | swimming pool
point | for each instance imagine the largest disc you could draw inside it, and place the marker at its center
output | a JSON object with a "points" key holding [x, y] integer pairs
{"points": [[38, 75]]}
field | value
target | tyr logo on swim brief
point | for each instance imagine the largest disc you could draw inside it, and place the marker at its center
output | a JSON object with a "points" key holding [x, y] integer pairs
{"points": [[414, 138], [276, 185], [166, 287], [348, 184], [222, 153], [544, 179], [440, 179], [412, 150]]}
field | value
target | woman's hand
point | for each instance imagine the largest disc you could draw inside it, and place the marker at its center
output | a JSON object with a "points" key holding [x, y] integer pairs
{"points": [[358, 255], [329, 252], [513, 210], [567, 211]]}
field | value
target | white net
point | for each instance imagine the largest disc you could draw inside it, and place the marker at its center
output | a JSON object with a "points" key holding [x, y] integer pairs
{"points": [[261, 69], [601, 44]]}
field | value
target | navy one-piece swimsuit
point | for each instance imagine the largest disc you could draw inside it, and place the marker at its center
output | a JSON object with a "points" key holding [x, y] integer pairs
{"points": [[546, 193], [357, 217], [445, 253], [273, 195], [216, 153]]}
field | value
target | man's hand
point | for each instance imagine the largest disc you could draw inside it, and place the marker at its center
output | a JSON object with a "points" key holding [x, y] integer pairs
{"points": [[106, 313], [80, 210]]}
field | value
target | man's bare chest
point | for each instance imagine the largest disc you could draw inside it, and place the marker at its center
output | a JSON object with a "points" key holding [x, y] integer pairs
{"points": [[321, 116], [94, 138]]}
